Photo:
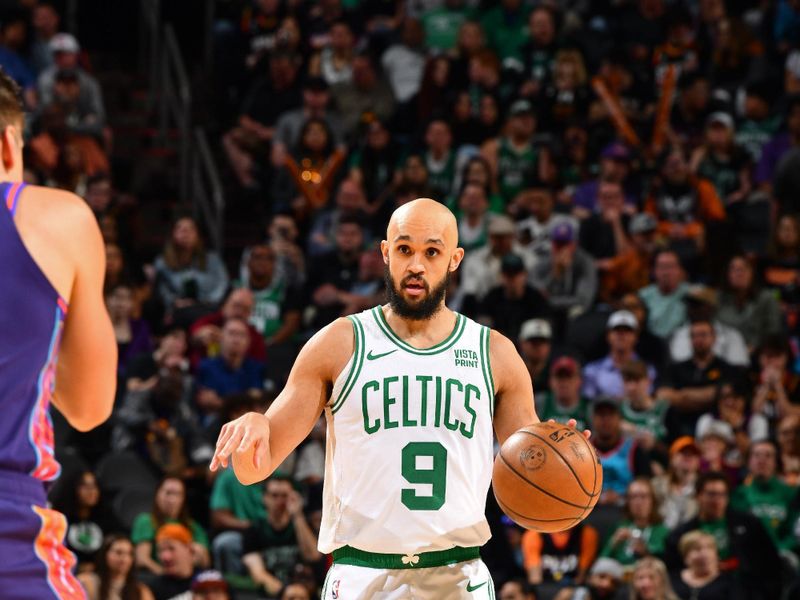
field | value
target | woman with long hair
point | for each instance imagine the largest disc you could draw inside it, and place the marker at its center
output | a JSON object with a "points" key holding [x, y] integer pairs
{"points": [[190, 280], [115, 578], [675, 489], [169, 506], [746, 307], [701, 578], [781, 267], [650, 581], [132, 333], [641, 533]]}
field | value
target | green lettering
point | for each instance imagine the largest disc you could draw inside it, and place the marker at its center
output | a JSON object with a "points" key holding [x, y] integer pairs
{"points": [[436, 415], [423, 401], [407, 422], [468, 431], [452, 426], [387, 402], [370, 429]]}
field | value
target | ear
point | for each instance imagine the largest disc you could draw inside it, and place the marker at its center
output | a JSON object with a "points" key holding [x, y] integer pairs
{"points": [[385, 251], [10, 143], [456, 259]]}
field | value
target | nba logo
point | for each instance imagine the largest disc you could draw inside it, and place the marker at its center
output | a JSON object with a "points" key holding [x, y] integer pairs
{"points": [[335, 589]]}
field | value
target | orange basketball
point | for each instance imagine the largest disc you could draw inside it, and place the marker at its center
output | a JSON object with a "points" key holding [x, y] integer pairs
{"points": [[547, 477]]}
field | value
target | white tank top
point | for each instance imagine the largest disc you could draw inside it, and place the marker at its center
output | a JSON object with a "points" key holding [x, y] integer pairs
{"points": [[409, 448]]}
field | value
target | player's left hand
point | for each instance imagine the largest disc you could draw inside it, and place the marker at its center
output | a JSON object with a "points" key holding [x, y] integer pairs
{"points": [[587, 433]]}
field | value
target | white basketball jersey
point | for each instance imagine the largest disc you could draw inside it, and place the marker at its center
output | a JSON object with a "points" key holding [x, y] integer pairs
{"points": [[409, 449]]}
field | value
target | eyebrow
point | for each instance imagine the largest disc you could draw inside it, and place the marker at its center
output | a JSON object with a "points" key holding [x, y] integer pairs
{"points": [[407, 238]]}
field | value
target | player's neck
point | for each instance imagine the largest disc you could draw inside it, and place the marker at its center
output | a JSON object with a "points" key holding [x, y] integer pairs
{"points": [[418, 331]]}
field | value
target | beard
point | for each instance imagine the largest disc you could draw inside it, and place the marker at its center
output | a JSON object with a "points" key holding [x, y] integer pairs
{"points": [[418, 311]]}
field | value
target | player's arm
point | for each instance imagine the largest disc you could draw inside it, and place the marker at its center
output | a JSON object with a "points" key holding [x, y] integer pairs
{"points": [[259, 443], [86, 377], [514, 406]]}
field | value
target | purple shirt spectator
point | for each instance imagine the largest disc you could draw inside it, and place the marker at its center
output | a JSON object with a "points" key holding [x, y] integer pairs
{"points": [[602, 378], [771, 156]]}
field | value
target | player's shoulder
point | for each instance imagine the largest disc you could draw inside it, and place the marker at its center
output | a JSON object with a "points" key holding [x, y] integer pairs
{"points": [[330, 348], [65, 213], [504, 358], [500, 344]]}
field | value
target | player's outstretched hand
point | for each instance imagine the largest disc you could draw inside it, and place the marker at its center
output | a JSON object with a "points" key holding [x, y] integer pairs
{"points": [[587, 433], [245, 441]]}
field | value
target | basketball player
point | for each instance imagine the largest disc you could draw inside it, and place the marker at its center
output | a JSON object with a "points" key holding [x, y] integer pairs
{"points": [[411, 392], [56, 345]]}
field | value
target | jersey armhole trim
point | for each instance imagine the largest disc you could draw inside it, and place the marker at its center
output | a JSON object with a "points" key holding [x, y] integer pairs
{"points": [[355, 368], [486, 367]]}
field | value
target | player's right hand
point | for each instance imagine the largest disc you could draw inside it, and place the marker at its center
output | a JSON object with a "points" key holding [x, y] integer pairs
{"points": [[248, 433]]}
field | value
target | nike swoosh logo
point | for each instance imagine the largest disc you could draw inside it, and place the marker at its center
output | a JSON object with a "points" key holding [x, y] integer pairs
{"points": [[371, 356], [471, 588]]}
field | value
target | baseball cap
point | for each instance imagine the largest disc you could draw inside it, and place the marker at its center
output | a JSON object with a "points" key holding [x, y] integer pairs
{"points": [[521, 107], [501, 225], [701, 293], [722, 118], [535, 329], [174, 531], [718, 429], [64, 42], [316, 84], [209, 580], [566, 366], [622, 318], [683, 443], [642, 223], [563, 233], [616, 151], [603, 401], [511, 264], [608, 566]]}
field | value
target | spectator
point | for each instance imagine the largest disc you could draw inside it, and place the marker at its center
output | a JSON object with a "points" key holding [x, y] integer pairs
{"points": [[373, 165], [731, 408], [515, 161], [702, 577], [296, 591], [664, 298], [690, 386], [744, 546], [764, 495], [615, 167], [283, 237], [516, 589], [366, 93], [278, 304], [603, 234], [534, 210], [629, 271], [606, 579], [442, 24], [754, 313], [536, 345], [621, 457], [788, 436], [231, 372], [441, 159], [650, 581], [189, 279], [777, 392], [540, 51], [271, 553], [566, 276], [650, 347], [701, 305], [175, 554], [781, 266], [210, 585], [563, 557], [89, 521], [82, 117], [562, 400], [404, 64], [644, 415], [170, 355], [65, 49], [506, 31], [334, 61], [169, 508], [507, 306], [247, 144], [603, 377], [45, 21], [684, 206], [675, 490], [351, 203], [12, 39], [482, 268], [717, 451], [473, 216], [641, 533], [778, 147], [132, 334], [758, 123], [206, 332], [114, 576]]}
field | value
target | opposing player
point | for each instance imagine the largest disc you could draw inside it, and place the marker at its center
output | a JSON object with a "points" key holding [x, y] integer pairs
{"points": [[411, 392], [56, 345]]}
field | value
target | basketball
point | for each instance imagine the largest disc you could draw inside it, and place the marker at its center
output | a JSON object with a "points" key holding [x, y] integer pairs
{"points": [[547, 477]]}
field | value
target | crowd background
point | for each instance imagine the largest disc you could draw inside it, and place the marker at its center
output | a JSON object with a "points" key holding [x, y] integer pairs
{"points": [[625, 178]]}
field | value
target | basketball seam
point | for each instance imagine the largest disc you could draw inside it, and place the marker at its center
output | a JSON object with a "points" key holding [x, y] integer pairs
{"points": [[566, 462], [574, 520], [541, 489]]}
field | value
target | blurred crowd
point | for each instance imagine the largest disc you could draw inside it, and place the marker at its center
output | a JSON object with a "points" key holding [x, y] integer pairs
{"points": [[625, 178]]}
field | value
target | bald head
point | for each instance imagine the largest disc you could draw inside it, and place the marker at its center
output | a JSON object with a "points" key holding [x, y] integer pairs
{"points": [[424, 219]]}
